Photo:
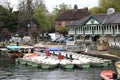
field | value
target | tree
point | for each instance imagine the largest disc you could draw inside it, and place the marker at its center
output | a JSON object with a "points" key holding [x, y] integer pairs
{"points": [[27, 9], [63, 30], [62, 7], [42, 16], [104, 5], [7, 18]]}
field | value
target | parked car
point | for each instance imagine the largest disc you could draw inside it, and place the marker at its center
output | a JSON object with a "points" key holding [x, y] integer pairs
{"points": [[61, 40], [55, 40]]}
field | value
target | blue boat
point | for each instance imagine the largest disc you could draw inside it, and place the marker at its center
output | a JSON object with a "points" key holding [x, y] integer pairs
{"points": [[13, 47], [56, 49]]}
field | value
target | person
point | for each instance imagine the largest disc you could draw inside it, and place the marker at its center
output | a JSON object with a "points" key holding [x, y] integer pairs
{"points": [[109, 75]]}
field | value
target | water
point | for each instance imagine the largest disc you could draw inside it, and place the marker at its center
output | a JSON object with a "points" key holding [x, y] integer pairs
{"points": [[11, 71]]}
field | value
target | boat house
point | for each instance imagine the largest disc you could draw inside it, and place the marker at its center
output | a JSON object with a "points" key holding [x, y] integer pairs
{"points": [[91, 28]]}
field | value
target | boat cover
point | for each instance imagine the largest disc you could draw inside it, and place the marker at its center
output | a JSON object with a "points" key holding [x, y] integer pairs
{"points": [[13, 47], [56, 49]]}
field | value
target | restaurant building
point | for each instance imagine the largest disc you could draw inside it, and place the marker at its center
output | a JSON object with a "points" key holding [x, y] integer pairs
{"points": [[91, 28]]}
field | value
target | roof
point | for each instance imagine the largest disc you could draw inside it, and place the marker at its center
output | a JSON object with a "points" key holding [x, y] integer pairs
{"points": [[101, 18], [74, 14]]}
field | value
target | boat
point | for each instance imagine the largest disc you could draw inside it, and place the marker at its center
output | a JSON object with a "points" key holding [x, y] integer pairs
{"points": [[66, 64], [49, 63], [28, 59], [99, 62], [14, 51], [37, 61], [117, 65], [18, 51], [108, 75], [82, 65], [102, 44], [25, 49]]}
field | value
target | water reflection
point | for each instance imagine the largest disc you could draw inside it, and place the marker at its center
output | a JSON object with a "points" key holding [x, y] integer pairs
{"points": [[11, 71]]}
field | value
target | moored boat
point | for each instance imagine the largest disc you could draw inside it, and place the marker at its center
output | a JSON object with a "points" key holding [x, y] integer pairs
{"points": [[13, 51], [82, 65], [109, 75], [117, 65], [49, 63], [66, 64], [99, 64]]}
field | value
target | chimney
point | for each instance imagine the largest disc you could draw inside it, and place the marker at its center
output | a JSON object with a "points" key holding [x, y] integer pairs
{"points": [[75, 7], [110, 11]]}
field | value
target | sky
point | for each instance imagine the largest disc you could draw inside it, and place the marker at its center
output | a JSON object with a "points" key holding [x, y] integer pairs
{"points": [[50, 4]]}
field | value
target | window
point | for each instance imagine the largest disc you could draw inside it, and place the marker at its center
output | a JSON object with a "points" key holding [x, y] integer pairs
{"points": [[63, 23]]}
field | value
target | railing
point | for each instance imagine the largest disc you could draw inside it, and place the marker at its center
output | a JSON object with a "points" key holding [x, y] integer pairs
{"points": [[89, 32]]}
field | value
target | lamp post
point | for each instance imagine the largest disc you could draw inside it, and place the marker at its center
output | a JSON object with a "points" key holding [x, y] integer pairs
{"points": [[28, 28]]}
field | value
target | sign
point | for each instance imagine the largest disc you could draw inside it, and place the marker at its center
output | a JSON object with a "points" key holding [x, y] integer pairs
{"points": [[70, 42]]}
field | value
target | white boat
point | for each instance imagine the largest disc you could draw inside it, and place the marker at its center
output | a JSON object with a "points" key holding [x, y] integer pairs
{"points": [[80, 64], [66, 64], [49, 63]]}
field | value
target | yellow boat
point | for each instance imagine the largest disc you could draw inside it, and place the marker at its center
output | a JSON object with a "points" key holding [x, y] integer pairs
{"points": [[117, 64], [102, 44]]}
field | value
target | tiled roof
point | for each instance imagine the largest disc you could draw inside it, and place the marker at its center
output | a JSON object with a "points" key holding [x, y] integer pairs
{"points": [[74, 14], [102, 18]]}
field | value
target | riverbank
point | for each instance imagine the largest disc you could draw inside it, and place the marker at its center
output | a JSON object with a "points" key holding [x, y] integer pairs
{"points": [[103, 54]]}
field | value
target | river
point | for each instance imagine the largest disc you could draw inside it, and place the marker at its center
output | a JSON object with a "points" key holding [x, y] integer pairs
{"points": [[9, 70]]}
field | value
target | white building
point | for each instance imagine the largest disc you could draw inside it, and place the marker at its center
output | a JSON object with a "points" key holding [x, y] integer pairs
{"points": [[92, 27]]}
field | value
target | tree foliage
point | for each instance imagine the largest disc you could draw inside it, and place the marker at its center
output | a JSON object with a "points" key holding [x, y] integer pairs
{"points": [[62, 30], [62, 7], [105, 4], [7, 19], [42, 16]]}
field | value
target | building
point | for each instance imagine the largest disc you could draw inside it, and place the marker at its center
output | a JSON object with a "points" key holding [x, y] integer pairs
{"points": [[95, 26], [67, 17]]}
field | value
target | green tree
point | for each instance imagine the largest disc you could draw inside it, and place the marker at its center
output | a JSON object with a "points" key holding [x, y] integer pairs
{"points": [[63, 30], [7, 18], [62, 7], [42, 16], [104, 5]]}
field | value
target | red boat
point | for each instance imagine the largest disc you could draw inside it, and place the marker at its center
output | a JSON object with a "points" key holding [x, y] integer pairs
{"points": [[108, 75]]}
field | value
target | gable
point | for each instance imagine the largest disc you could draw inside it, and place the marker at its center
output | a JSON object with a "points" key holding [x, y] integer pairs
{"points": [[92, 21]]}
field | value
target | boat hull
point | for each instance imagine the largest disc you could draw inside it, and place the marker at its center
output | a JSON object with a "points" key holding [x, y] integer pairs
{"points": [[67, 66], [102, 64], [45, 66], [117, 64], [83, 66]]}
